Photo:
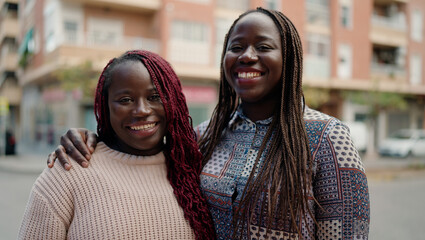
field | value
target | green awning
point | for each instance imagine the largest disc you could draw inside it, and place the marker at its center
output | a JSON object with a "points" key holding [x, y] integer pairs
{"points": [[26, 41]]}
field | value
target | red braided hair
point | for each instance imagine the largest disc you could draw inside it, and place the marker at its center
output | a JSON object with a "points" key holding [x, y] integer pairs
{"points": [[181, 150]]}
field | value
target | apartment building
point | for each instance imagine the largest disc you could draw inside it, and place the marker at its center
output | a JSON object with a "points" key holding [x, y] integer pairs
{"points": [[349, 45], [10, 92]]}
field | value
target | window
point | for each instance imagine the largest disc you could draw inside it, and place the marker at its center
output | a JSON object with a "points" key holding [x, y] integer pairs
{"points": [[189, 42], [346, 16], [105, 32], [416, 31], [197, 1], [222, 27], [73, 20], [50, 33], [272, 4], [344, 61], [415, 69], [190, 31], [241, 5], [317, 60], [71, 31], [318, 12]]}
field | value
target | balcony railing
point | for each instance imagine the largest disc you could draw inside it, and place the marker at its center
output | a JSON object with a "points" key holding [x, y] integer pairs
{"points": [[317, 67], [146, 5], [390, 71], [240, 5], [397, 22], [111, 41], [9, 28], [317, 14]]}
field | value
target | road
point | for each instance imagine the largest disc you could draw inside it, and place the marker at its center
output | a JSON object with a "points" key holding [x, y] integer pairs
{"points": [[14, 189], [397, 206], [397, 209]]}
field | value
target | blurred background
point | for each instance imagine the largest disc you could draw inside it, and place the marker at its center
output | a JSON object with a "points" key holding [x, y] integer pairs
{"points": [[364, 63]]}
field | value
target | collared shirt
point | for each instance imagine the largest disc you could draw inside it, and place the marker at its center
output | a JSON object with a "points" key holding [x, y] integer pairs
{"points": [[339, 181]]}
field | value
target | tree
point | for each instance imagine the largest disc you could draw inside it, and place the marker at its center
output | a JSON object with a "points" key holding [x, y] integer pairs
{"points": [[316, 97], [81, 76], [377, 102]]}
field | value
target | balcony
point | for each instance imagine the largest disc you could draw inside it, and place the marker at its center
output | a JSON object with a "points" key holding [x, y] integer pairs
{"points": [[75, 49], [236, 5], [390, 31], [317, 68], [389, 23], [388, 72], [2, 2], [317, 13], [9, 62], [110, 41], [134, 5], [11, 91], [9, 27], [390, 1]]}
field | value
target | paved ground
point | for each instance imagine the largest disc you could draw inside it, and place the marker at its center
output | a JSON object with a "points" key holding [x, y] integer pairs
{"points": [[396, 189], [36, 162]]}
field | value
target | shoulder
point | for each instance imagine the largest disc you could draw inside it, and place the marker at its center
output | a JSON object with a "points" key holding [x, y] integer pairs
{"points": [[330, 139], [200, 129], [318, 126]]}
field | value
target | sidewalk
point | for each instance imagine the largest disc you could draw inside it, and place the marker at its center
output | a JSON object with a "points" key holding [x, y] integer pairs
{"points": [[35, 163], [23, 163]]}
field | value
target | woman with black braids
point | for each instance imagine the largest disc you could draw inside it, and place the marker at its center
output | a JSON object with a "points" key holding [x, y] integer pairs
{"points": [[272, 167], [143, 182]]}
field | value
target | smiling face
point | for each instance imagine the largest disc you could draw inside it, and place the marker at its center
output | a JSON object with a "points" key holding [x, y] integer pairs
{"points": [[136, 111], [253, 59]]}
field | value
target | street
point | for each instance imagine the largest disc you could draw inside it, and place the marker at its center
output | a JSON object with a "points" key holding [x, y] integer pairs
{"points": [[15, 189], [397, 209]]}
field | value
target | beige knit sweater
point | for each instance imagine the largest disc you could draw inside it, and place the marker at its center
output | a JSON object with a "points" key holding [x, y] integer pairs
{"points": [[119, 196]]}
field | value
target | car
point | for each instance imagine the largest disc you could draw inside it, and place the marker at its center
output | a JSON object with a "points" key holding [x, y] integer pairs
{"points": [[358, 132], [404, 143]]}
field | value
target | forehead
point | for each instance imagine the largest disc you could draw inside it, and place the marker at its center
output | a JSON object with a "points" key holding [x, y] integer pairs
{"points": [[130, 72], [258, 24]]}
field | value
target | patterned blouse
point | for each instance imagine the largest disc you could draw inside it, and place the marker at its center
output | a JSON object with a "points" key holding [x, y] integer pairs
{"points": [[339, 180]]}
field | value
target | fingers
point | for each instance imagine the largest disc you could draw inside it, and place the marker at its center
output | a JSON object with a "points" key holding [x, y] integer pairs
{"points": [[69, 143], [51, 159], [74, 142], [62, 157], [91, 140]]}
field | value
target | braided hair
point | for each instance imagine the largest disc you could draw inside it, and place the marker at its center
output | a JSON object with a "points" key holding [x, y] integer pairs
{"points": [[183, 158], [278, 189]]}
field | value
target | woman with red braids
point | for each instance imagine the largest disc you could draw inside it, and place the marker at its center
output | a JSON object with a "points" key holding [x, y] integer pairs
{"points": [[144, 178]]}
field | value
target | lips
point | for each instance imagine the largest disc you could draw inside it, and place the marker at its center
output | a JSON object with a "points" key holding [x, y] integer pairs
{"points": [[145, 129], [142, 127], [247, 77]]}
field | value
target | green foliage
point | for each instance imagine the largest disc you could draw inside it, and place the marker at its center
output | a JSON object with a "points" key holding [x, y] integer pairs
{"points": [[316, 97], [80, 76], [24, 59], [378, 100]]}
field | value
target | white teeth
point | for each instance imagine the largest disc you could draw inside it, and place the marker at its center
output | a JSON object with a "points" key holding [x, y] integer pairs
{"points": [[248, 74], [143, 127]]}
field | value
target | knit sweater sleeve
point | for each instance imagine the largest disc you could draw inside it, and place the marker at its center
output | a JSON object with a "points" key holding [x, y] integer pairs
{"points": [[49, 210]]}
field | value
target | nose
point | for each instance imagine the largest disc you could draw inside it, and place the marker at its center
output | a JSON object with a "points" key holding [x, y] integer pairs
{"points": [[142, 108], [248, 56]]}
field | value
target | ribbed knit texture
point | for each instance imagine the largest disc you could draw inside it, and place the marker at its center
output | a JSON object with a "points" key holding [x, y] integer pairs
{"points": [[120, 196]]}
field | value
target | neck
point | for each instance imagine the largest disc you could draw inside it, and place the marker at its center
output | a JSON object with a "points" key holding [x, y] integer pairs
{"points": [[122, 147], [258, 110]]}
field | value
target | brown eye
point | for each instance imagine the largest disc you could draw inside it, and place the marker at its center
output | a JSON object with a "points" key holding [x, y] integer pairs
{"points": [[124, 100], [154, 98]]}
